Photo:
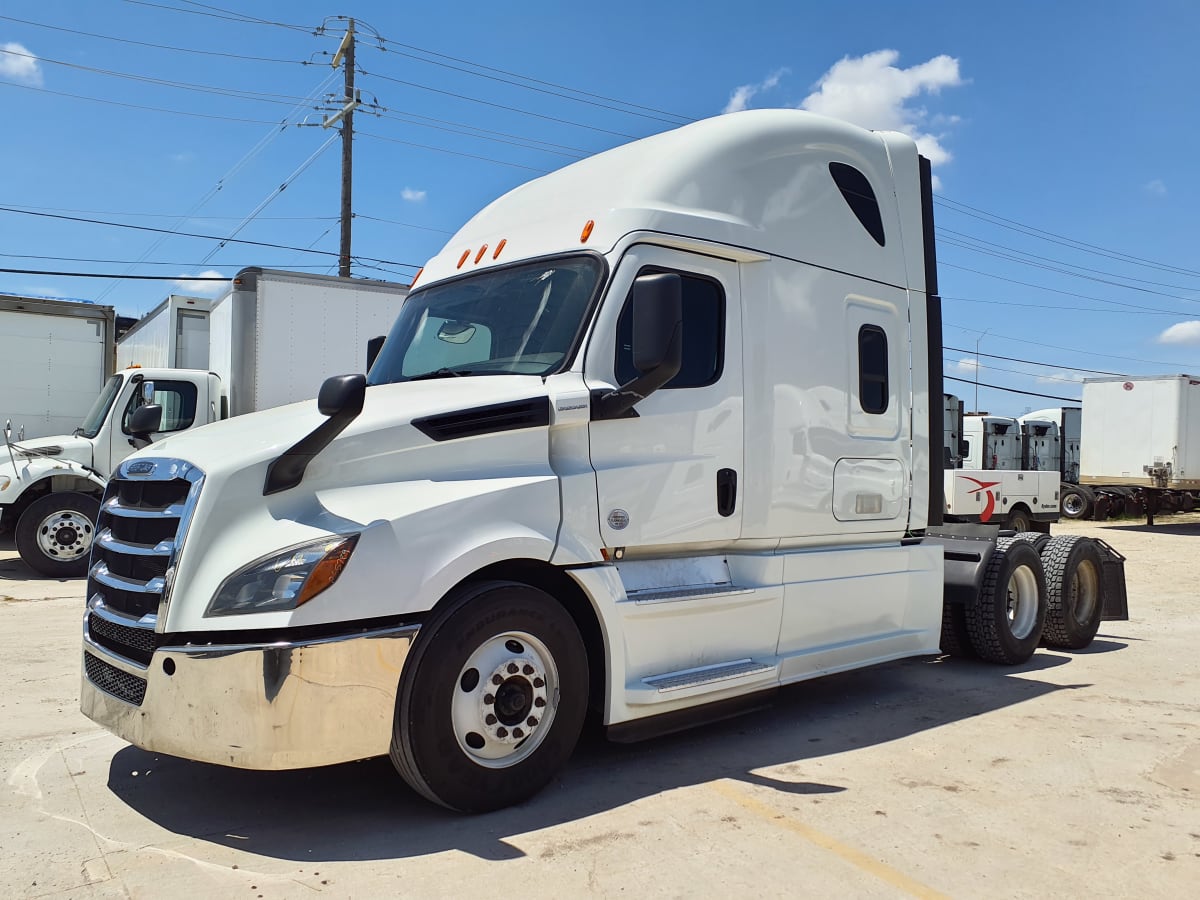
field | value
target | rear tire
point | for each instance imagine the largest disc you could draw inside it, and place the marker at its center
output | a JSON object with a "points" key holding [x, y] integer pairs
{"points": [[492, 698], [1076, 502], [54, 534], [1037, 538], [1074, 591], [956, 640], [1005, 622]]}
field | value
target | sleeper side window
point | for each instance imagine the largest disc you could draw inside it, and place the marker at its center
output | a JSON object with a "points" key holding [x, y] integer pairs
{"points": [[703, 334], [872, 369]]}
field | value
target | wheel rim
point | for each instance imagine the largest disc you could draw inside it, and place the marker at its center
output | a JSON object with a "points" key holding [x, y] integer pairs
{"points": [[1022, 602], [1072, 505], [1084, 592], [504, 699], [65, 535]]}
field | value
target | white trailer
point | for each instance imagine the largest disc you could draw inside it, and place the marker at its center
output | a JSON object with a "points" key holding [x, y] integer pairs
{"points": [[272, 338], [174, 335], [54, 356], [653, 436]]}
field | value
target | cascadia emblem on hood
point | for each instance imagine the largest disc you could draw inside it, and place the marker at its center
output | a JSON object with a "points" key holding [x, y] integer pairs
{"points": [[140, 467]]}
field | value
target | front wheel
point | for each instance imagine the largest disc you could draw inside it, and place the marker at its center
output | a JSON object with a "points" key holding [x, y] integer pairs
{"points": [[492, 698], [54, 534]]}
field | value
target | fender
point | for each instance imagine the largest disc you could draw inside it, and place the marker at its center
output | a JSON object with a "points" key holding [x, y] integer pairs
{"points": [[36, 470]]}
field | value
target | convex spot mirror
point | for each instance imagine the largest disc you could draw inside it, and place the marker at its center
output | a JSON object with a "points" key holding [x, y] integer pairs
{"points": [[456, 332]]}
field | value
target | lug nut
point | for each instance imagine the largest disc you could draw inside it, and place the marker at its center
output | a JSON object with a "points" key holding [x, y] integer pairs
{"points": [[539, 702], [528, 670], [531, 721], [488, 699], [512, 668], [517, 733], [490, 719], [502, 732], [496, 679], [537, 683]]}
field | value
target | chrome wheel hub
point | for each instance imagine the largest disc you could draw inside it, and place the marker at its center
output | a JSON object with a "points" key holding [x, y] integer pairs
{"points": [[65, 535]]}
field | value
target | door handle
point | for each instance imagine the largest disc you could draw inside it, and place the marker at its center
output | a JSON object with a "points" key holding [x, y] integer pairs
{"points": [[726, 492]]}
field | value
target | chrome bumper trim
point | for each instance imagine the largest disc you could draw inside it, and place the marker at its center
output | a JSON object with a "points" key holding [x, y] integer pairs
{"points": [[285, 705]]}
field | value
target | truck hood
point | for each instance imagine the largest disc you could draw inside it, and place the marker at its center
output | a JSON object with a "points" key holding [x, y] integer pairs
{"points": [[64, 447], [254, 440]]}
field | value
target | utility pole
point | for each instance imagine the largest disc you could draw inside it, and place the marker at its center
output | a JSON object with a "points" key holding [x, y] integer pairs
{"points": [[345, 54]]}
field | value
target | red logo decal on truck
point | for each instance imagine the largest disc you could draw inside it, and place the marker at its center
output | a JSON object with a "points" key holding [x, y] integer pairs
{"points": [[989, 506]]}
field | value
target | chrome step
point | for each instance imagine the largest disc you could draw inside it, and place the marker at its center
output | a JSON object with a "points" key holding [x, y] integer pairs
{"points": [[706, 675], [675, 594]]}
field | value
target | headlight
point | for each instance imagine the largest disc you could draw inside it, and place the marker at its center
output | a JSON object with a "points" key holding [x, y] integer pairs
{"points": [[284, 580]]}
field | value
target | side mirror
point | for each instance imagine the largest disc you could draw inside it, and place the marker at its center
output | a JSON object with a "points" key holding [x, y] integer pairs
{"points": [[374, 345], [145, 421], [657, 343], [147, 391], [342, 394], [964, 448]]}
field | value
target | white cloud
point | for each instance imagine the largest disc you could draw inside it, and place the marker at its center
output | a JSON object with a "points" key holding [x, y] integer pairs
{"points": [[183, 157], [1181, 333], [966, 365], [1155, 188], [185, 284], [741, 96], [412, 195], [1058, 376], [18, 64], [872, 92]]}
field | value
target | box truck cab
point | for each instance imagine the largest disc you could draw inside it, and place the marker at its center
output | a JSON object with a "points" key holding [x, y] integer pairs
{"points": [[652, 435]]}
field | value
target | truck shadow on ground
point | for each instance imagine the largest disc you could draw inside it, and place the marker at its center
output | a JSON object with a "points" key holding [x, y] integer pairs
{"points": [[364, 811], [1191, 528]]}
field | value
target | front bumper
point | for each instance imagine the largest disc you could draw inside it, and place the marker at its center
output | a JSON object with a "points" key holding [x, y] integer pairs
{"points": [[282, 705]]}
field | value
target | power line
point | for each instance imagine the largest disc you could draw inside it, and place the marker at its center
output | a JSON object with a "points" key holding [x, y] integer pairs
{"points": [[1090, 310], [1032, 362], [500, 162], [1060, 348], [176, 112], [958, 362], [229, 16], [997, 387], [120, 277], [402, 224], [144, 215], [123, 262], [206, 237]]}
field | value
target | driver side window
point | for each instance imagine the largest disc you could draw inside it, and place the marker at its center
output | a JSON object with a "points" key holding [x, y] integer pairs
{"points": [[178, 402]]}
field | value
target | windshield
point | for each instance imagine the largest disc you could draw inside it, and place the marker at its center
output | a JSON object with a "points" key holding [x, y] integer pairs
{"points": [[522, 320], [99, 411]]}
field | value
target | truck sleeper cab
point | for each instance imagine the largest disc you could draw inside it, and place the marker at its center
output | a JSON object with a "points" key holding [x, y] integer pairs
{"points": [[644, 438]]}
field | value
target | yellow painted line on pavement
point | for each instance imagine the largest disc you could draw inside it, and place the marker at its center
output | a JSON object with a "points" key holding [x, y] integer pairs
{"points": [[855, 857]]}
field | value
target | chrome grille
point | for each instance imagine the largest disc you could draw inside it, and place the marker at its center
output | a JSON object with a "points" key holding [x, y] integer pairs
{"points": [[129, 641], [113, 681]]}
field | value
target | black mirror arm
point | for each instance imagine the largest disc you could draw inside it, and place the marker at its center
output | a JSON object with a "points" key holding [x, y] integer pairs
{"points": [[341, 399], [619, 403]]}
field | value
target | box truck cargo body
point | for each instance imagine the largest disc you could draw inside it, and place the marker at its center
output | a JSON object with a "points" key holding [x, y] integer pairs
{"points": [[271, 339], [172, 335], [54, 356]]}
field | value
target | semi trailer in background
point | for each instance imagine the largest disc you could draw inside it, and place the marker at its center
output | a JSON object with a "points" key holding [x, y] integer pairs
{"points": [[54, 356], [270, 340]]}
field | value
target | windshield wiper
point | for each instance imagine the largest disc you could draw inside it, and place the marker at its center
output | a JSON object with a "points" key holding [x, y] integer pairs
{"points": [[440, 373]]}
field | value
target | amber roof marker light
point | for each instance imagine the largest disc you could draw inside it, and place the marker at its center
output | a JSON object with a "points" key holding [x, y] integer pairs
{"points": [[587, 231]]}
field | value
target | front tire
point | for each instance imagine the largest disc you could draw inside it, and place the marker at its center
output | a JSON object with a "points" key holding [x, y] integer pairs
{"points": [[1005, 623], [492, 699], [54, 534], [1075, 591]]}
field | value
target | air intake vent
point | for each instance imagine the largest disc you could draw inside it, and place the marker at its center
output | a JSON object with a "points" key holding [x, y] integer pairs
{"points": [[486, 419], [113, 681]]}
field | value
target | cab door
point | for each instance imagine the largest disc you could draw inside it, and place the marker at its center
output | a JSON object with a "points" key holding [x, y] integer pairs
{"points": [[671, 473], [183, 405]]}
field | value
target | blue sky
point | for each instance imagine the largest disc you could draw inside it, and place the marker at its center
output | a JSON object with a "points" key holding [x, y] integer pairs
{"points": [[1064, 137]]}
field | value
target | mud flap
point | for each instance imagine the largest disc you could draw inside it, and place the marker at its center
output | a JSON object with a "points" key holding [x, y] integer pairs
{"points": [[1116, 599]]}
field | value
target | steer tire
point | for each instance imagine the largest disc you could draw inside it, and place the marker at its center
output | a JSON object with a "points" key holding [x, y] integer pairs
{"points": [[442, 743], [1005, 622], [54, 534], [1074, 591]]}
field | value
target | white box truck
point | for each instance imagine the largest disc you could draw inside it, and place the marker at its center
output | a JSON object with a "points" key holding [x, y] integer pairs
{"points": [[272, 338], [1001, 474], [173, 335], [653, 436], [54, 356]]}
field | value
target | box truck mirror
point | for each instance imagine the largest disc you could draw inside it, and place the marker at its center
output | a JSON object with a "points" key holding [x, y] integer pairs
{"points": [[964, 448], [657, 343], [145, 420], [147, 391], [341, 398]]}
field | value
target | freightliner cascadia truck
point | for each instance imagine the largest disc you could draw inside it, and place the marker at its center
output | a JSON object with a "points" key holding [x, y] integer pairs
{"points": [[651, 437]]}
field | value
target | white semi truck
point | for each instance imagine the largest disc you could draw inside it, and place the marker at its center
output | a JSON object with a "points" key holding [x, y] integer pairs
{"points": [[652, 436], [1133, 448], [54, 356], [1001, 473], [265, 341]]}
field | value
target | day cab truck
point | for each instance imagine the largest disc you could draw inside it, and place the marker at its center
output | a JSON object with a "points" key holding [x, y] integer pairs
{"points": [[1005, 471], [651, 437], [260, 345]]}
